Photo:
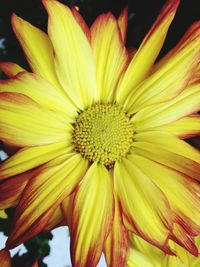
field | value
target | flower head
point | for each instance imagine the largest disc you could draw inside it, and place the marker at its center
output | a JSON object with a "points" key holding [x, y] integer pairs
{"points": [[100, 135]]}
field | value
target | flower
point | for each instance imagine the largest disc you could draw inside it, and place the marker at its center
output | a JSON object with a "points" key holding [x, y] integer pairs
{"points": [[144, 253], [100, 135]]}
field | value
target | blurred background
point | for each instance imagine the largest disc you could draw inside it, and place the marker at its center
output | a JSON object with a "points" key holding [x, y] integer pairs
{"points": [[142, 13]]}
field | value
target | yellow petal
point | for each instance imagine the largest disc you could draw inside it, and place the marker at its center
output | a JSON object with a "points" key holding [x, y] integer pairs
{"points": [[143, 203], [31, 157], [181, 191], [79, 19], [10, 69], [168, 150], [117, 243], [109, 53], [138, 259], [183, 128], [147, 53], [156, 115], [56, 220], [185, 40], [170, 79], [40, 60], [73, 55], [172, 261], [43, 194], [123, 23], [5, 259], [153, 253], [3, 215], [40, 91], [183, 238], [11, 190], [24, 123], [92, 215]]}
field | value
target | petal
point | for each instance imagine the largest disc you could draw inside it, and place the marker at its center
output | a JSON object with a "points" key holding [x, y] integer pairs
{"points": [[138, 259], [11, 190], [185, 40], [123, 23], [73, 55], [170, 79], [109, 53], [117, 243], [184, 128], [43, 194], [35, 264], [181, 191], [3, 215], [79, 19], [91, 216], [31, 157], [156, 115], [40, 91], [5, 259], [184, 239], [143, 203], [24, 123], [166, 149], [56, 220], [147, 53], [40, 60], [150, 251], [10, 69], [172, 261]]}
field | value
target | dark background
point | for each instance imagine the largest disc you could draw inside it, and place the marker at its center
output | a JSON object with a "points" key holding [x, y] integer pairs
{"points": [[142, 13]]}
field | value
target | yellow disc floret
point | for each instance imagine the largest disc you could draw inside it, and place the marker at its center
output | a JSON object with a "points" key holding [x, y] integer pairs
{"points": [[103, 133]]}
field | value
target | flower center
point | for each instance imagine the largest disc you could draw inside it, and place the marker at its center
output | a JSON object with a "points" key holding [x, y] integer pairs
{"points": [[103, 133]]}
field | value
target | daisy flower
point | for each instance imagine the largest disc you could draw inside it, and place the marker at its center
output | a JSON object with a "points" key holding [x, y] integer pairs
{"points": [[100, 135]]}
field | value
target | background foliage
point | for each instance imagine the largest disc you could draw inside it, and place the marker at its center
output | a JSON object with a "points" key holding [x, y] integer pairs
{"points": [[141, 16]]}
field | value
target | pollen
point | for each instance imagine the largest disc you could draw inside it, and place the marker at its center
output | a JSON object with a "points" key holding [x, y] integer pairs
{"points": [[103, 133]]}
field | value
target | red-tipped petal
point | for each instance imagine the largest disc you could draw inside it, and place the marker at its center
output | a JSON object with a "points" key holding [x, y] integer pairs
{"points": [[81, 22], [10, 69], [123, 23], [92, 215], [5, 259]]}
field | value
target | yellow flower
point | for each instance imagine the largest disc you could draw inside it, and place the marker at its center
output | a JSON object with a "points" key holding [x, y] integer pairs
{"points": [[154, 257], [100, 135]]}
